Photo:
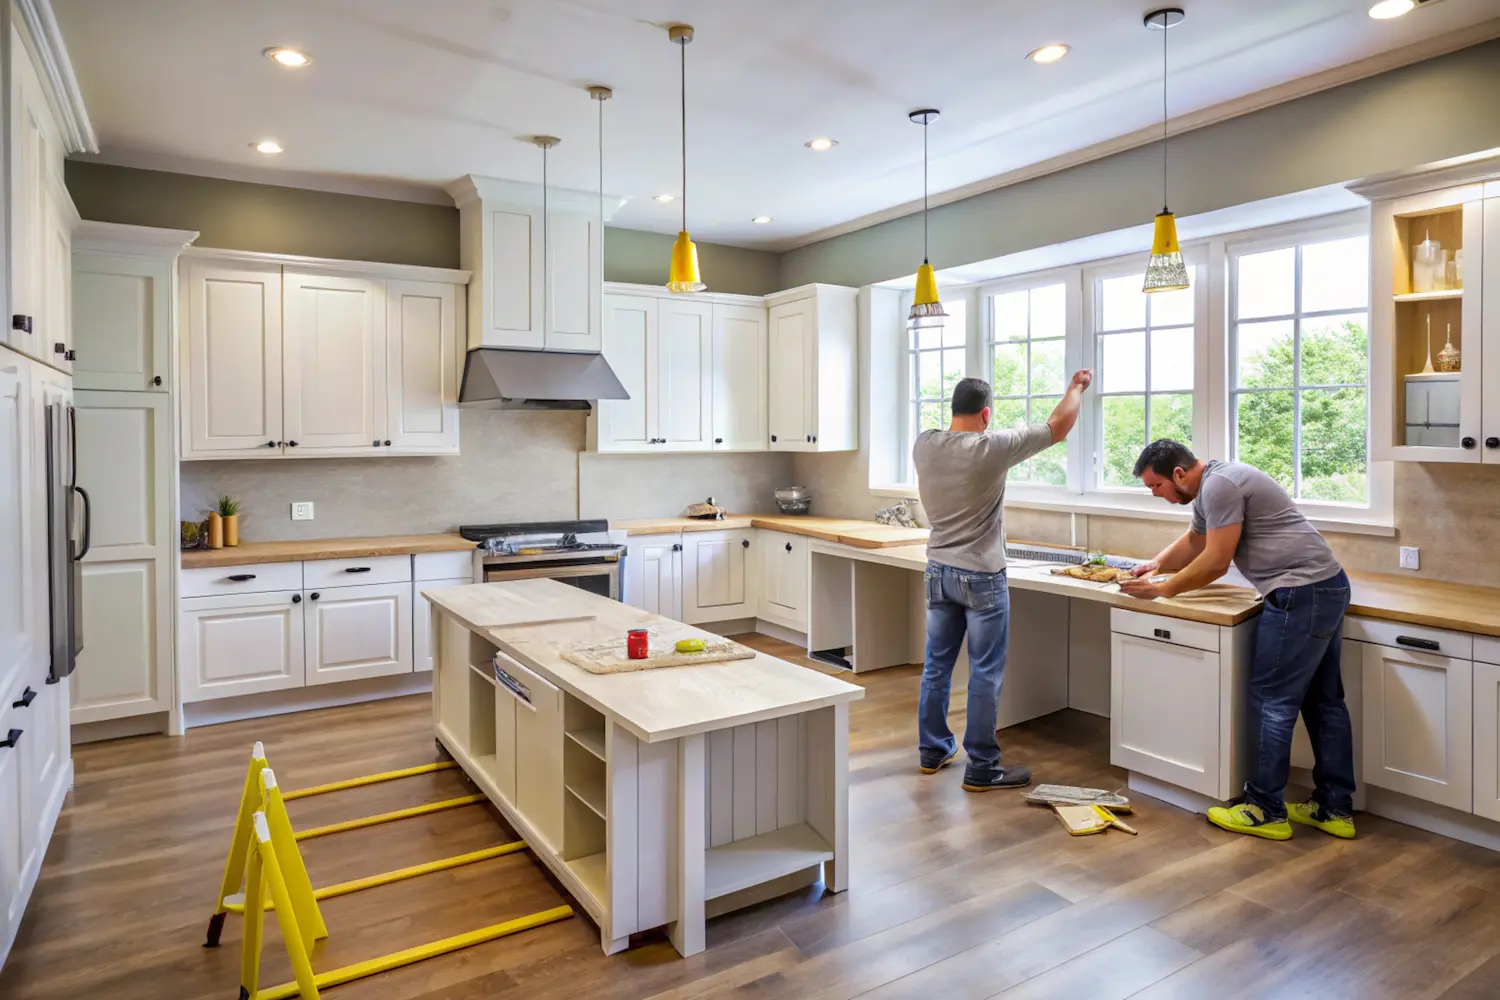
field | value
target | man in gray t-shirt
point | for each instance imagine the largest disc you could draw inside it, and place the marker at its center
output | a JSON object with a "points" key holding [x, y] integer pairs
{"points": [[961, 478], [1240, 514]]}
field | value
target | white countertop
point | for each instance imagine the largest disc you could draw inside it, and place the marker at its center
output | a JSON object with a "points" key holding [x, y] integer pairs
{"points": [[653, 705]]}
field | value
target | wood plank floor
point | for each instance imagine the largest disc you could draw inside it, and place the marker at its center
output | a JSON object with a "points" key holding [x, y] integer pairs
{"points": [[954, 896]]}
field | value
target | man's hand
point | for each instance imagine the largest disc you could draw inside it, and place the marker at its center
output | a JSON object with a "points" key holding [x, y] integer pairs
{"points": [[1145, 589], [1082, 379], [1146, 568]]}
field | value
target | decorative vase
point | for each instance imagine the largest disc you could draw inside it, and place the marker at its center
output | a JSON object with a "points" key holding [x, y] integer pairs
{"points": [[232, 531], [1449, 359], [215, 530]]}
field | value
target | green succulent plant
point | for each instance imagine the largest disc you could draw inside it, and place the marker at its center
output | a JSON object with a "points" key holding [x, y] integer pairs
{"points": [[228, 506]]}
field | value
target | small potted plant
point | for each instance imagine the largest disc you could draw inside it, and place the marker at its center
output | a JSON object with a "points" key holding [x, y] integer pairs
{"points": [[229, 511]]}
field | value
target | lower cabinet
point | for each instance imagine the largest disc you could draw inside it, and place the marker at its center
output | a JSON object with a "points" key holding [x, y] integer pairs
{"points": [[353, 633], [241, 644], [34, 777], [718, 576], [783, 579], [1351, 667], [421, 619], [653, 574], [12, 819], [538, 750], [1487, 740], [1419, 712], [1164, 712]]}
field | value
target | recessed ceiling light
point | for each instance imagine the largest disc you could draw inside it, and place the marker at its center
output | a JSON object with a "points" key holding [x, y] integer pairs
{"points": [[290, 58], [270, 147], [761, 220], [821, 145], [664, 198], [1048, 53], [1387, 9]]}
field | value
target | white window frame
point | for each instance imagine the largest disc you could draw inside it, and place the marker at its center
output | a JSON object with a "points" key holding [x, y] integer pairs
{"points": [[907, 487]]}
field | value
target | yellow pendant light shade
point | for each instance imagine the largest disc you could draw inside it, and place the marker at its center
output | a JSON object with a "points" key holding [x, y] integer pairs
{"points": [[683, 276], [1166, 272], [926, 311]]}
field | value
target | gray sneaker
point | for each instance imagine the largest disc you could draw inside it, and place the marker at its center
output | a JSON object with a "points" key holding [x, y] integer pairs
{"points": [[932, 764], [1010, 776]]}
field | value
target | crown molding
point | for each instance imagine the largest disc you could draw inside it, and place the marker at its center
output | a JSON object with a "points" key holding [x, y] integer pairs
{"points": [[116, 237], [56, 72], [328, 265], [1476, 167], [1431, 48], [473, 188]]}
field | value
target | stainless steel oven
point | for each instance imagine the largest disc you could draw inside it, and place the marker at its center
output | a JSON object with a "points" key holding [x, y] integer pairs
{"points": [[577, 553]]}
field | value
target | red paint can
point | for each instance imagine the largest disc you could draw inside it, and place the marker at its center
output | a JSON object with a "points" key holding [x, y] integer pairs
{"points": [[637, 643]]}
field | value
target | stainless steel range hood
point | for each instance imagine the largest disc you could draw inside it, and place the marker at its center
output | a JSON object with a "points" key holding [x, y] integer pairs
{"points": [[502, 378]]}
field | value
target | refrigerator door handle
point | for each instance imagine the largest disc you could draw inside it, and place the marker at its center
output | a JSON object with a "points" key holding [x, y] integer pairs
{"points": [[88, 522], [72, 447]]}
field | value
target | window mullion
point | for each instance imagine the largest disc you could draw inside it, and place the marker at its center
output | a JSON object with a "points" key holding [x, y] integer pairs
{"points": [[1297, 375]]}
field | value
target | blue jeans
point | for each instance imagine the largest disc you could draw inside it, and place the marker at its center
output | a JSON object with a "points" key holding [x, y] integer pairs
{"points": [[1296, 668], [959, 602]]}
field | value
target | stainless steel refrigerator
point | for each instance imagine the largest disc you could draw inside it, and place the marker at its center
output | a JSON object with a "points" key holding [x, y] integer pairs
{"points": [[68, 518]]}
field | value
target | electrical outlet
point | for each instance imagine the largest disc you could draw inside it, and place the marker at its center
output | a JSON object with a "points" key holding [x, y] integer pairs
{"points": [[302, 511], [1409, 558]]}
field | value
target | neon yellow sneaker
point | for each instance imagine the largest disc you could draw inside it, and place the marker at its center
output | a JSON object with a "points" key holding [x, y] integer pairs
{"points": [[1313, 814], [1246, 818]]}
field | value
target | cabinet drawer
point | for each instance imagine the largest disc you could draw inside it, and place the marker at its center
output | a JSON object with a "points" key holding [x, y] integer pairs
{"points": [[318, 573], [1419, 638], [259, 578], [1174, 630], [443, 566], [531, 690], [1486, 649]]}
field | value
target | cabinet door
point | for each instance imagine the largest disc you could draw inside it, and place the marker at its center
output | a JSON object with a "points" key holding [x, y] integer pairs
{"points": [[358, 632], [1489, 287], [783, 579], [122, 319], [57, 273], [230, 646], [28, 171], [718, 572], [22, 531], [653, 567], [577, 283], [12, 819], [1487, 740], [791, 397], [421, 619], [1164, 713], [232, 361], [124, 457], [421, 333], [333, 331], [539, 752], [510, 286], [1418, 721], [44, 757], [1351, 668], [682, 396], [629, 346], [739, 380]]}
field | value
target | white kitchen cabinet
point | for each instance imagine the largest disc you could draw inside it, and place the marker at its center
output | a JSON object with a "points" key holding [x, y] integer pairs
{"points": [[538, 747], [241, 644], [1490, 319], [22, 525], [1165, 709], [353, 633], [124, 462], [44, 761], [334, 353], [738, 392], [1487, 739], [122, 321], [1418, 724], [718, 576], [1351, 669], [575, 281], [231, 361], [813, 394], [783, 579], [684, 376], [37, 213], [630, 337], [421, 619], [653, 574], [58, 220], [422, 366], [12, 820]]}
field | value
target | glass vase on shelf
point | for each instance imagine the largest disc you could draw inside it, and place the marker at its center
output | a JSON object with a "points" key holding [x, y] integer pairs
{"points": [[1427, 265], [1449, 359]]}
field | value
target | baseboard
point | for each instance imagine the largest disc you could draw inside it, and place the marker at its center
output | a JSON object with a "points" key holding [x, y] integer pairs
{"points": [[781, 632], [1182, 798], [257, 706], [119, 729], [1436, 819], [734, 626]]}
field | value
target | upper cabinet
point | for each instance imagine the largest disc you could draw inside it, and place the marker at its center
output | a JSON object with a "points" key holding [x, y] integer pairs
{"points": [[739, 378], [305, 358], [814, 374], [1435, 315], [506, 231]]}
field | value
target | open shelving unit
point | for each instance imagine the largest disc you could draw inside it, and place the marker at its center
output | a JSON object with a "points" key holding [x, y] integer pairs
{"points": [[741, 864]]}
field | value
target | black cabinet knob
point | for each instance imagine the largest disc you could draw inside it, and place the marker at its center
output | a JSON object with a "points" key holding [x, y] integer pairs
{"points": [[156, 380], [70, 355], [789, 546], [374, 444], [291, 444], [809, 439], [22, 323], [745, 543], [11, 739], [313, 596], [773, 437], [718, 440], [386, 443], [1492, 442], [59, 348], [272, 444], [677, 547], [1468, 442], [27, 698], [815, 439], [296, 598]]}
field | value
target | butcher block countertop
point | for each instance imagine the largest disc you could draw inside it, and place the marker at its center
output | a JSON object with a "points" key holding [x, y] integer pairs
{"points": [[1458, 606], [860, 534], [324, 548]]}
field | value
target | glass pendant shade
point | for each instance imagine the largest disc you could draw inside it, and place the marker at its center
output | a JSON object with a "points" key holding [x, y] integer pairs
{"points": [[1166, 272], [684, 274], [926, 310]]}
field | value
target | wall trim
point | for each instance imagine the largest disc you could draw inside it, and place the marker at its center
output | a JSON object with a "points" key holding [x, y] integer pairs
{"points": [[305, 699], [56, 72], [407, 272], [116, 237]]}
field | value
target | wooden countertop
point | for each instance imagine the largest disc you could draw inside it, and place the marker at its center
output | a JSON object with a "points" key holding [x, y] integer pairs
{"points": [[847, 531], [1458, 606], [324, 548], [654, 705]]}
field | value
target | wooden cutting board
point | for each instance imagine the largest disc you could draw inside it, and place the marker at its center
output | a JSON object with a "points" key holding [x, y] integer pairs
{"points": [[610, 657]]}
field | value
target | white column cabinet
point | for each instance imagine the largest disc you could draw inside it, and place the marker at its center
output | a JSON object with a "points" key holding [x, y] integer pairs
{"points": [[353, 633], [241, 644], [792, 390], [718, 576], [122, 322], [683, 371], [333, 330], [422, 366], [738, 392], [653, 574], [1418, 724], [231, 359]]}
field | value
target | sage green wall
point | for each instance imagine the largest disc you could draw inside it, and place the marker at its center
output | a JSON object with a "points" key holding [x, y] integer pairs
{"points": [[271, 219], [1432, 110]]}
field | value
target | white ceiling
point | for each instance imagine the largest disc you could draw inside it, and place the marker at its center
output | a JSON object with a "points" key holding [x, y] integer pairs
{"points": [[405, 96]]}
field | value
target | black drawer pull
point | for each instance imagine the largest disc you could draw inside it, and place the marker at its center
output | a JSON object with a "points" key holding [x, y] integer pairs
{"points": [[11, 739], [789, 546], [356, 569], [22, 323], [1432, 645], [1161, 633], [26, 699], [241, 577]]}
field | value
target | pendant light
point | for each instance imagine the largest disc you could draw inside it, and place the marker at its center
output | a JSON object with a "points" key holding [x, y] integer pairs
{"points": [[601, 94], [1166, 272], [683, 276], [926, 310], [544, 143]]}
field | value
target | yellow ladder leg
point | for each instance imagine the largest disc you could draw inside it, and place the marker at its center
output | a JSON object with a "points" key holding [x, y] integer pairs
{"points": [[289, 858], [239, 846], [286, 917], [255, 911]]}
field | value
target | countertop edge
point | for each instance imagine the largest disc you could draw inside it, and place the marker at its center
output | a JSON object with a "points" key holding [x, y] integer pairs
{"points": [[251, 554], [1421, 618]]}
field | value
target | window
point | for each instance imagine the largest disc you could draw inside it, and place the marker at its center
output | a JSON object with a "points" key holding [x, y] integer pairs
{"points": [[1027, 351], [1144, 359], [1299, 360], [935, 363]]}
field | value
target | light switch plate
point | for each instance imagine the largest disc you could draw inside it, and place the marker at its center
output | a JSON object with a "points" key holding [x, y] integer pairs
{"points": [[302, 511], [1409, 557]]}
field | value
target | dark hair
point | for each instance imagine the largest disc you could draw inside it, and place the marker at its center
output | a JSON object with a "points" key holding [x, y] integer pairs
{"points": [[1162, 456], [970, 396]]}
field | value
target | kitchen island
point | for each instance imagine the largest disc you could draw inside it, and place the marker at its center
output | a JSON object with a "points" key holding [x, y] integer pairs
{"points": [[654, 796]]}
